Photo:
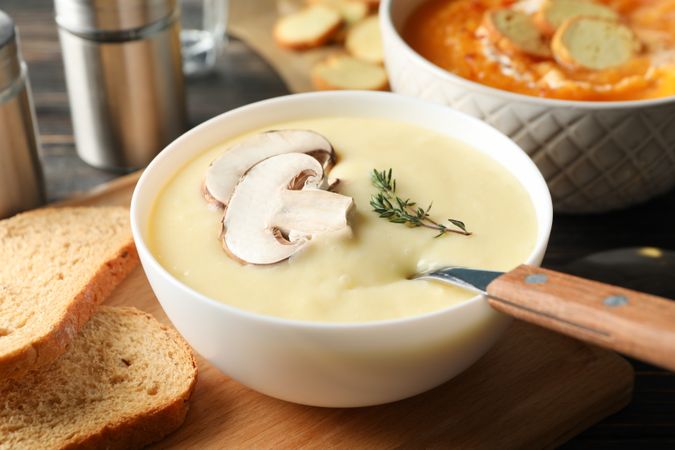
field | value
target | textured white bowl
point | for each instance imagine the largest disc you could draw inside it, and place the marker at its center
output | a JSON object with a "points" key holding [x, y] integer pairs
{"points": [[595, 156], [333, 364]]}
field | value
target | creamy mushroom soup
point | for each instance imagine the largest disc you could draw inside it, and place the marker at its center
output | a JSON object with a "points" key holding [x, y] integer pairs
{"points": [[359, 273]]}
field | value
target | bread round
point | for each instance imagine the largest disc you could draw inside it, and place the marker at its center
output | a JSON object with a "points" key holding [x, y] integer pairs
{"points": [[352, 11], [346, 72], [553, 13], [593, 43], [310, 27], [364, 40], [514, 31]]}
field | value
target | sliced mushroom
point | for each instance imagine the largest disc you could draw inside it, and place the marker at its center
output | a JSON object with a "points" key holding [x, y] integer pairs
{"points": [[277, 207], [311, 211], [225, 172]]}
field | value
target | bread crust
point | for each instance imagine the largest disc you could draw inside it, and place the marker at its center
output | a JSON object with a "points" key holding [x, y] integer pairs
{"points": [[307, 44], [47, 348], [138, 429], [560, 51], [373, 5]]}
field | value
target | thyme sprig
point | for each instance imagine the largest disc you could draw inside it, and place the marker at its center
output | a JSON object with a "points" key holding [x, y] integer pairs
{"points": [[388, 205]]}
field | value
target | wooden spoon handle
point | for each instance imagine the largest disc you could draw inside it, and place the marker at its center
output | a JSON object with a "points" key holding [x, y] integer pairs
{"points": [[630, 322]]}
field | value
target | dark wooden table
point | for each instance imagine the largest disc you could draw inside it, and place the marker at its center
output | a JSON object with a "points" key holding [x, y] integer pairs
{"points": [[242, 77]]}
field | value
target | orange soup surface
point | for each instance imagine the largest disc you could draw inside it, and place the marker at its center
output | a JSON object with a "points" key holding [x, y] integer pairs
{"points": [[449, 34]]}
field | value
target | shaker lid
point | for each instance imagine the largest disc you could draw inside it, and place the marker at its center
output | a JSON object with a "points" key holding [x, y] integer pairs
{"points": [[96, 16], [10, 68]]}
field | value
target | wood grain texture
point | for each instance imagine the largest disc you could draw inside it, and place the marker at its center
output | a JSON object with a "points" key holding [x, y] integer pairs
{"points": [[252, 21], [643, 327], [530, 377]]}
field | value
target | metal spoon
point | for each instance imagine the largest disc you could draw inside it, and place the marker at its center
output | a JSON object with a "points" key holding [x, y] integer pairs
{"points": [[630, 322]]}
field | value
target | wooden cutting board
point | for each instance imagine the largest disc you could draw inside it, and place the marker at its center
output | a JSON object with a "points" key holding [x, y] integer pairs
{"points": [[252, 21], [534, 389]]}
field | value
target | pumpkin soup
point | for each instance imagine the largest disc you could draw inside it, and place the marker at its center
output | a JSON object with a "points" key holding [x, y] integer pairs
{"points": [[603, 50]]}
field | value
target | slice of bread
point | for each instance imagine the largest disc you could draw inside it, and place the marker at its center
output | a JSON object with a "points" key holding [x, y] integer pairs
{"points": [[553, 13], [593, 43], [346, 72], [352, 11], [124, 382], [364, 40], [515, 31], [59, 264], [310, 27], [372, 4]]}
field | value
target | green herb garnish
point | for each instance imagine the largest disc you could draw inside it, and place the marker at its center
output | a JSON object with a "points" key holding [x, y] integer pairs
{"points": [[388, 205]]}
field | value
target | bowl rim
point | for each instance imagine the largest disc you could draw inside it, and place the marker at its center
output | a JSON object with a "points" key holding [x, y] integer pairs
{"points": [[147, 256], [385, 12]]}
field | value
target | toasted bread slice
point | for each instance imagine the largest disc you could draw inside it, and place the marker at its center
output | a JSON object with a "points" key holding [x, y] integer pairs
{"points": [[553, 13], [310, 27], [372, 4], [594, 43], [59, 264], [124, 382], [345, 72], [364, 40], [352, 11], [514, 31], [340, 37]]}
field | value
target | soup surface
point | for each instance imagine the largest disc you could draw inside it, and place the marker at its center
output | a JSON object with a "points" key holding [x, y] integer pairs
{"points": [[449, 33], [362, 276]]}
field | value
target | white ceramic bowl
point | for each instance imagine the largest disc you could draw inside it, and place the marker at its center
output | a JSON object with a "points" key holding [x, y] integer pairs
{"points": [[333, 364], [595, 156]]}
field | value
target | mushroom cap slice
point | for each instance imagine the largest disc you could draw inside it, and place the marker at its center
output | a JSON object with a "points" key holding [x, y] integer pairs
{"points": [[225, 171], [250, 232]]}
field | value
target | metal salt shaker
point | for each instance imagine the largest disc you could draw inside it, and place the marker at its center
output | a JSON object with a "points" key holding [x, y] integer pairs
{"points": [[21, 185], [125, 83]]}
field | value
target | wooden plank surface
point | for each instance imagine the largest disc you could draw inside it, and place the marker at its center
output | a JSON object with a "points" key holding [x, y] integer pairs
{"points": [[252, 22], [555, 385], [241, 77]]}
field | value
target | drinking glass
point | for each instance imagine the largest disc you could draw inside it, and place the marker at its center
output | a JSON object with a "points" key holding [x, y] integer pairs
{"points": [[203, 35]]}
